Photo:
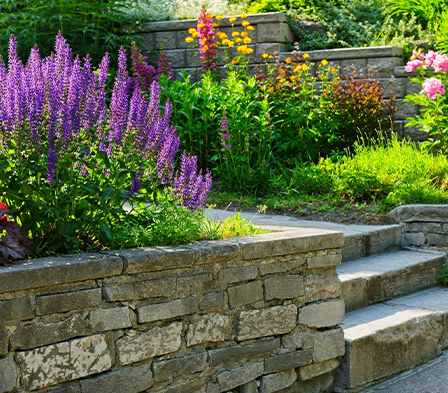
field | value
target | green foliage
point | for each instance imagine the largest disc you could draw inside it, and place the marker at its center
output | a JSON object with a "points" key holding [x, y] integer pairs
{"points": [[91, 26], [443, 275], [230, 227]]}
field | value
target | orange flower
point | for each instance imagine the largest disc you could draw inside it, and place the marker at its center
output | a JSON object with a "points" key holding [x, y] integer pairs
{"points": [[244, 34], [249, 51], [205, 48], [242, 49], [281, 71], [189, 40], [214, 24], [238, 40], [204, 40], [288, 60], [218, 17], [245, 23], [306, 55], [235, 34], [234, 61], [195, 34], [270, 90], [247, 40], [232, 19], [250, 28], [243, 16], [298, 68], [201, 25], [192, 30], [283, 80]]}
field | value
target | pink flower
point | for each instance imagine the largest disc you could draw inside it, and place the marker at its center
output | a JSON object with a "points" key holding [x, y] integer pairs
{"points": [[417, 55], [440, 62], [429, 58], [412, 65], [432, 86]]}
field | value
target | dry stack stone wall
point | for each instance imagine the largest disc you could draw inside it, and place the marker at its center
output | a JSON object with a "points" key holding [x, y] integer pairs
{"points": [[271, 35], [257, 314]]}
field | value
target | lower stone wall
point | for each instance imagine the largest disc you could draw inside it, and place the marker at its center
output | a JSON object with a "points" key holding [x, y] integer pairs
{"points": [[257, 314], [423, 225]]}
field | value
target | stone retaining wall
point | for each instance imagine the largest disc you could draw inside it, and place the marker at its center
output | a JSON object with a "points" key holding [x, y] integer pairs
{"points": [[256, 314], [271, 35]]}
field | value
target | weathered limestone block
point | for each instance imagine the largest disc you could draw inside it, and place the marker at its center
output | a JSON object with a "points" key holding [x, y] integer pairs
{"points": [[212, 301], [321, 384], [325, 314], [104, 319], [161, 311], [274, 32], [125, 380], [325, 285], [316, 369], [174, 368], [140, 290], [211, 328], [67, 388], [250, 387], [8, 375], [62, 302], [48, 366], [195, 385], [288, 361], [328, 345], [233, 275], [274, 382], [40, 334], [283, 287], [276, 265], [414, 239], [247, 293], [136, 346], [293, 340], [228, 380], [229, 356], [266, 322], [319, 261], [436, 239], [420, 213], [4, 340], [192, 285], [18, 309]]}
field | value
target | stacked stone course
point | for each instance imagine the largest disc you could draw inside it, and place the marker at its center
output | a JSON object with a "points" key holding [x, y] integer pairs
{"points": [[240, 315]]}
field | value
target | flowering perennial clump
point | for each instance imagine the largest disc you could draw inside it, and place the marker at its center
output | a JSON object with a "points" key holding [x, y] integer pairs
{"points": [[207, 45]]}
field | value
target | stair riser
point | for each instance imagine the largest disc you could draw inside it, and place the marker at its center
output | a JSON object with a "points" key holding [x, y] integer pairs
{"points": [[362, 245], [362, 292], [373, 358]]}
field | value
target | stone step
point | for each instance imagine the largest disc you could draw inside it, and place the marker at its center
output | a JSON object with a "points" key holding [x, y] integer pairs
{"points": [[360, 240], [381, 277], [385, 339]]}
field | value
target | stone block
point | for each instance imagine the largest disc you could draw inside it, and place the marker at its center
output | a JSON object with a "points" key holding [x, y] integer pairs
{"points": [[179, 367], [4, 340], [229, 356], [62, 302], [274, 382], [398, 129], [415, 133], [67, 361], [321, 384], [383, 67], [274, 266], [354, 65], [40, 334], [250, 387], [44, 272], [325, 314], [414, 239], [437, 239], [104, 319], [228, 380], [165, 38], [129, 380], [270, 48], [213, 328], [318, 261], [404, 110], [181, 43], [266, 322], [8, 375], [67, 388], [316, 369], [274, 32], [212, 302], [196, 385], [412, 87], [288, 361], [137, 346], [294, 340], [18, 309], [243, 294], [283, 287], [148, 42], [193, 285], [325, 285], [140, 290], [175, 308], [393, 87], [192, 58], [420, 213], [233, 275], [177, 58]]}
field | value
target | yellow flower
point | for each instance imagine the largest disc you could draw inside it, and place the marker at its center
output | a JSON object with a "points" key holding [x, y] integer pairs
{"points": [[225, 41], [232, 19], [231, 44], [288, 60], [244, 34], [242, 49], [205, 48], [334, 69], [218, 17], [249, 51], [238, 40], [195, 34], [250, 28], [245, 23], [235, 33], [214, 24], [204, 40], [283, 80], [293, 78], [304, 67], [324, 62], [271, 57], [234, 61], [221, 35], [298, 68], [265, 55], [243, 16], [247, 40], [192, 30], [189, 40], [201, 25], [306, 55]]}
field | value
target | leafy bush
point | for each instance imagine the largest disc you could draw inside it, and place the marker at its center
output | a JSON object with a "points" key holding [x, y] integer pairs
{"points": [[69, 162]]}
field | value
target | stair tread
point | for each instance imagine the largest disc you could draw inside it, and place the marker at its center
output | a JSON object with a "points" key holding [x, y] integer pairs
{"points": [[378, 317], [384, 263]]}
